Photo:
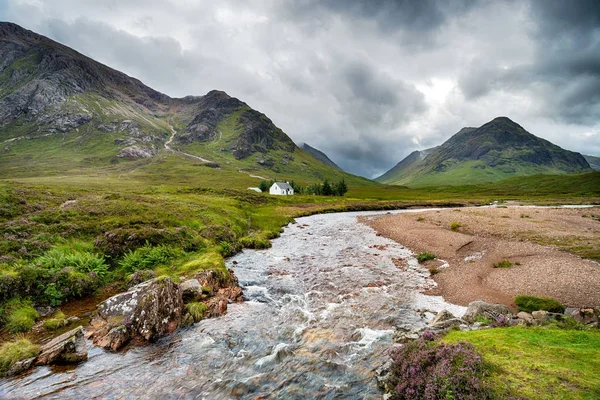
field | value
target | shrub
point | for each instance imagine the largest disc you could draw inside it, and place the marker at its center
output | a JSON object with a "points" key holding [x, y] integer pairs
{"points": [[196, 310], [434, 271], [12, 352], [147, 257], [454, 226], [420, 219], [60, 258], [430, 370], [533, 303], [20, 315], [58, 321], [422, 257], [503, 264]]}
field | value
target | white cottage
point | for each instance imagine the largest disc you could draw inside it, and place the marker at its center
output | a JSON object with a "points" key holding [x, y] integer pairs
{"points": [[281, 188]]}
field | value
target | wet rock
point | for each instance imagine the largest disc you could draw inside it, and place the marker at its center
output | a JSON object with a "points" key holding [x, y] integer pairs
{"points": [[217, 306], [140, 276], [190, 290], [225, 286], [67, 348], [115, 338], [491, 311], [20, 367], [146, 311]]}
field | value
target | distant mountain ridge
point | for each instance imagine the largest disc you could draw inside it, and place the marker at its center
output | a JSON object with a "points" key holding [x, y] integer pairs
{"points": [[61, 110], [318, 154], [593, 161], [497, 150]]}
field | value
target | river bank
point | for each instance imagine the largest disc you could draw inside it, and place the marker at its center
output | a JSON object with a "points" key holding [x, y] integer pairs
{"points": [[322, 306], [469, 242]]}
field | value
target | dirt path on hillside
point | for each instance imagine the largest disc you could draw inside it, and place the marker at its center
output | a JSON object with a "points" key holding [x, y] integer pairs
{"points": [[533, 239]]}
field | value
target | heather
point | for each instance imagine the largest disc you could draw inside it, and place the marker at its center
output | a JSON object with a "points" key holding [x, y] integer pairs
{"points": [[430, 370]]}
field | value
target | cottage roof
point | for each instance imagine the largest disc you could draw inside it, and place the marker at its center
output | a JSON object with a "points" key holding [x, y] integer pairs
{"points": [[283, 185]]}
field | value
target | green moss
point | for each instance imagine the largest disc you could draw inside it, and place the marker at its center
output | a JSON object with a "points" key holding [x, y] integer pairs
{"points": [[533, 303], [12, 352], [196, 310], [539, 363], [58, 321]]}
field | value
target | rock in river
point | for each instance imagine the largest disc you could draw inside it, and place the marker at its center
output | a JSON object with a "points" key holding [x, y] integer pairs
{"points": [[146, 311], [67, 348]]}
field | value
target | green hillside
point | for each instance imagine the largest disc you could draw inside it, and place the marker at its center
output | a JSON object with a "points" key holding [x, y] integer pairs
{"points": [[498, 150], [64, 114]]}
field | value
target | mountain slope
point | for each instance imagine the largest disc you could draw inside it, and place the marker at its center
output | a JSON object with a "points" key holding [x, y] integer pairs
{"points": [[405, 166], [497, 150], [62, 112], [318, 154], [593, 161]]}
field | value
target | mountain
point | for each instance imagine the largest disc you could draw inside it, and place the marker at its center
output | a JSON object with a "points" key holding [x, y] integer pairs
{"points": [[593, 161], [318, 154], [497, 150], [405, 166], [62, 113]]}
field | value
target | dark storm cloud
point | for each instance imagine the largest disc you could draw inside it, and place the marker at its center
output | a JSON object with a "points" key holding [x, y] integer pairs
{"points": [[420, 17], [366, 81]]}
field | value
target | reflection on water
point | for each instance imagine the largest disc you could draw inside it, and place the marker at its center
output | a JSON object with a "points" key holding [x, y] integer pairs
{"points": [[322, 305]]}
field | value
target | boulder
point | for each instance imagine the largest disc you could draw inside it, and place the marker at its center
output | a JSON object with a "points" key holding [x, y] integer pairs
{"points": [[525, 316], [146, 311], [140, 276], [491, 311], [585, 315], [191, 289], [20, 367], [227, 287], [540, 316], [217, 306], [442, 316], [67, 348]]}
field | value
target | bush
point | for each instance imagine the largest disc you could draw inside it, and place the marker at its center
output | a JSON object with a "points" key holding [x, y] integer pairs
{"points": [[147, 257], [196, 310], [56, 259], [503, 264], [58, 321], [532, 303], [20, 315], [12, 352], [454, 226], [425, 257], [430, 370]]}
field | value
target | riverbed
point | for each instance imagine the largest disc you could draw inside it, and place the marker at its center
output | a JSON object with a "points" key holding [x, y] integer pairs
{"points": [[321, 309]]}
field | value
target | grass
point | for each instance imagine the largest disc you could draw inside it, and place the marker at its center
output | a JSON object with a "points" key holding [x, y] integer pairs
{"points": [[538, 363], [58, 321], [422, 257], [196, 310], [533, 303], [11, 352], [503, 264], [454, 226], [20, 315]]}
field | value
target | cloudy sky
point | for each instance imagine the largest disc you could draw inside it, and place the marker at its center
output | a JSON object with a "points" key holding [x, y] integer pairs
{"points": [[365, 81]]}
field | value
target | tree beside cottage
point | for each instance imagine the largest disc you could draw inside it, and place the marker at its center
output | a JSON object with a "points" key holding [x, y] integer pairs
{"points": [[282, 189]]}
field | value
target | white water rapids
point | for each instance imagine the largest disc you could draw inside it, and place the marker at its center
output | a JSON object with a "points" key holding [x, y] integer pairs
{"points": [[322, 306]]}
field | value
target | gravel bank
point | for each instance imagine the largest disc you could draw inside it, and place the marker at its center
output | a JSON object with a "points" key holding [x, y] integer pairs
{"points": [[530, 238]]}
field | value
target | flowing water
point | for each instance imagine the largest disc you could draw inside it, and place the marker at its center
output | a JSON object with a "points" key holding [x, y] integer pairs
{"points": [[322, 306]]}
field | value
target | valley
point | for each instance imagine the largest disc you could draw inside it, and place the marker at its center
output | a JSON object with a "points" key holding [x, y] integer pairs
{"points": [[127, 224]]}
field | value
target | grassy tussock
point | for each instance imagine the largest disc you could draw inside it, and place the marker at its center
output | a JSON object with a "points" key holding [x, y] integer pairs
{"points": [[196, 310], [11, 352]]}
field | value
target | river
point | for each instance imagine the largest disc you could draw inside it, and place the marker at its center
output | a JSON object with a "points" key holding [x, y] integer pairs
{"points": [[321, 308]]}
